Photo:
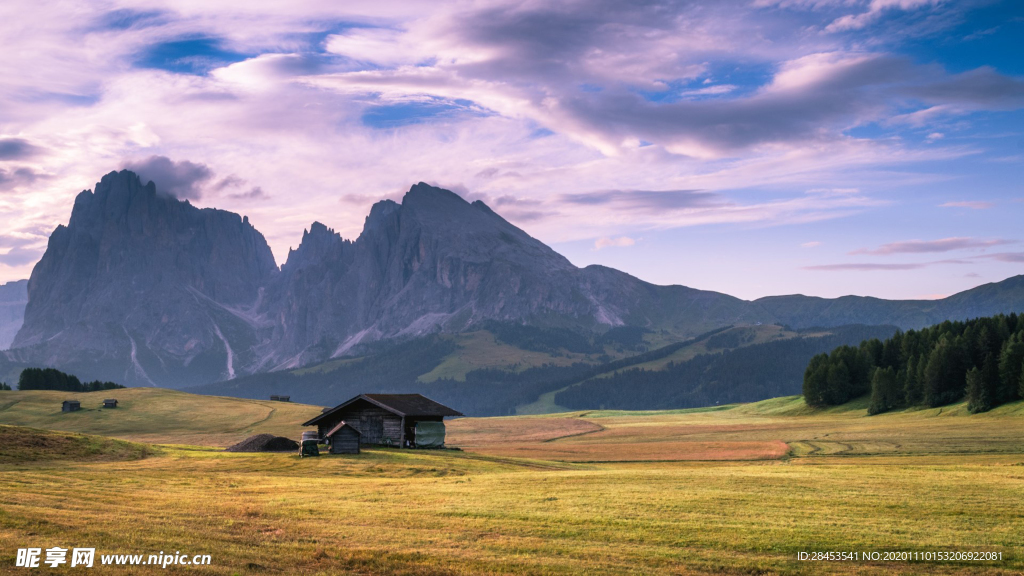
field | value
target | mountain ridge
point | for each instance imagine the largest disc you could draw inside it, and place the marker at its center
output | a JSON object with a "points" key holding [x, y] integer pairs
{"points": [[143, 288]]}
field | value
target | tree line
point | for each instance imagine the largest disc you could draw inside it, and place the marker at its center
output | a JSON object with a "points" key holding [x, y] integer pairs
{"points": [[53, 379], [981, 360]]}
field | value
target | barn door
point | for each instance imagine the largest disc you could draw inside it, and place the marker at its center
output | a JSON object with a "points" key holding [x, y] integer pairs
{"points": [[372, 428]]}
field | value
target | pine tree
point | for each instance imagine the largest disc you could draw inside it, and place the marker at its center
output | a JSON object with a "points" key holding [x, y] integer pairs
{"points": [[1020, 391], [838, 384], [884, 392], [912, 393], [978, 398], [1010, 360], [815, 380], [941, 378]]}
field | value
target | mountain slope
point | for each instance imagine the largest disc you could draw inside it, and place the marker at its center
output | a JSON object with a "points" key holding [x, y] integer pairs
{"points": [[13, 298]]}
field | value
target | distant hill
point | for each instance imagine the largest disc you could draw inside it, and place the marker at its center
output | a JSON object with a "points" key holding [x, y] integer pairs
{"points": [[986, 300]]}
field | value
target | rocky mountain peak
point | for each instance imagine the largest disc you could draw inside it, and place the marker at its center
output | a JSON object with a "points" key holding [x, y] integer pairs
{"points": [[317, 245]]}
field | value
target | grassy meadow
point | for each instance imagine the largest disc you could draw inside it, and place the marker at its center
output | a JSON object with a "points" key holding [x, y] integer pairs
{"points": [[734, 490]]}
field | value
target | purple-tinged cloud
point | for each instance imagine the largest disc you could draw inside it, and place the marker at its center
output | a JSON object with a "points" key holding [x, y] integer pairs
{"points": [[931, 246], [17, 149], [10, 179], [1007, 257], [183, 180], [648, 200], [255, 193], [972, 204], [864, 267], [876, 266], [19, 256]]}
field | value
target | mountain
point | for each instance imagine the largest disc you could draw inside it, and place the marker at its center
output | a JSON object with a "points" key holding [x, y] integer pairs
{"points": [[144, 289], [436, 263], [13, 298]]}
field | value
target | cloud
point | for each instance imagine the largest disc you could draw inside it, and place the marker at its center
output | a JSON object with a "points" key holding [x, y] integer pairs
{"points": [[183, 180], [17, 177], [231, 181], [607, 242], [571, 119], [875, 11], [864, 267], [931, 246], [1013, 257], [255, 193], [972, 204], [17, 149], [813, 244], [20, 256], [647, 200], [875, 266]]}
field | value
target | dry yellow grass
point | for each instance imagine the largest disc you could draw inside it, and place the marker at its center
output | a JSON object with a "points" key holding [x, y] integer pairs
{"points": [[925, 480]]}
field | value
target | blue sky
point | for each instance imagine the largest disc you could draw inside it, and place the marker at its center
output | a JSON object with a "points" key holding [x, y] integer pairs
{"points": [[753, 147]]}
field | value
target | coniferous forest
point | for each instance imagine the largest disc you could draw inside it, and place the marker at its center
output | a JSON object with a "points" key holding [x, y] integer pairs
{"points": [[981, 359], [53, 379]]}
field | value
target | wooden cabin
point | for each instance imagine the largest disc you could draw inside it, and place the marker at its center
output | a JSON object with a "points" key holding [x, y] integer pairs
{"points": [[71, 406], [276, 398], [389, 419], [344, 439], [110, 403]]}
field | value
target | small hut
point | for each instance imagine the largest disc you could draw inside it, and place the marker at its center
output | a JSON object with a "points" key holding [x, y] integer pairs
{"points": [[71, 406], [344, 439], [406, 420], [277, 398], [110, 403]]}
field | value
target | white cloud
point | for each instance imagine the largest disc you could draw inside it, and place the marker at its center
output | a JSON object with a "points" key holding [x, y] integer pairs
{"points": [[607, 242], [972, 204]]}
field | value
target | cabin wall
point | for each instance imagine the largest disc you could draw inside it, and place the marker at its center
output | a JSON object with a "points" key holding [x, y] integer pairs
{"points": [[375, 424], [345, 441]]}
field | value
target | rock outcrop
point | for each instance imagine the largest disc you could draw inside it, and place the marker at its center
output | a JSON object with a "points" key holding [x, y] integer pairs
{"points": [[145, 289], [13, 298]]}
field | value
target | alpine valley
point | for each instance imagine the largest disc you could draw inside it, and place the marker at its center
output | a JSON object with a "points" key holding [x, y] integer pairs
{"points": [[437, 295]]}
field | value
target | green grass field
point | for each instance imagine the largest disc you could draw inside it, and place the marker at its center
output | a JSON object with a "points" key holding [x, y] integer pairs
{"points": [[734, 490]]}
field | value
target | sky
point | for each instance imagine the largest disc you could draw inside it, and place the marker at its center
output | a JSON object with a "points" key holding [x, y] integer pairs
{"points": [[752, 147]]}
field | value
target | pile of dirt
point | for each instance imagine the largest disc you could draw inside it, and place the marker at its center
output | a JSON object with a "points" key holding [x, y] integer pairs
{"points": [[265, 443]]}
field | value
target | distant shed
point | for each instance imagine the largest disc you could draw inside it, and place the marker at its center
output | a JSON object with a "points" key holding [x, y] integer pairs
{"points": [[276, 398], [389, 419], [344, 439], [71, 406], [110, 403]]}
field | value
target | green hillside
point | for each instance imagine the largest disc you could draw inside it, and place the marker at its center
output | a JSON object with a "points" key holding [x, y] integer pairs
{"points": [[156, 415]]}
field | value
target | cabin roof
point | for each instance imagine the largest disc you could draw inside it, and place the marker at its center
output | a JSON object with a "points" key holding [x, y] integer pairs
{"points": [[341, 425], [400, 404], [110, 400]]}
